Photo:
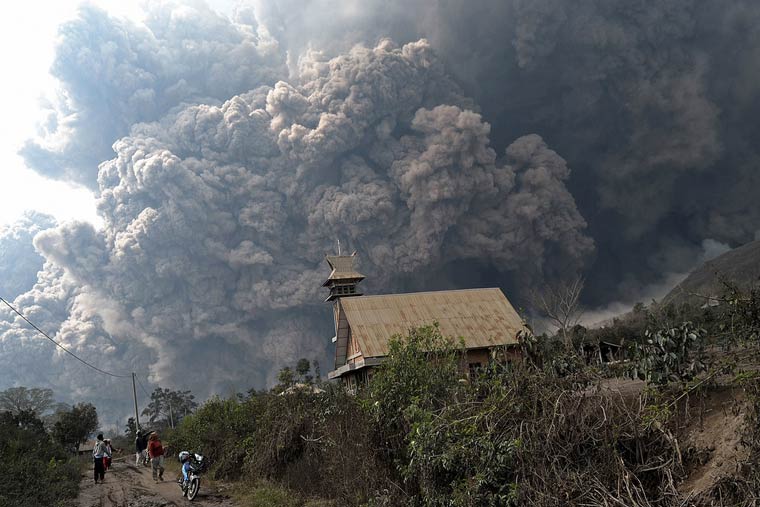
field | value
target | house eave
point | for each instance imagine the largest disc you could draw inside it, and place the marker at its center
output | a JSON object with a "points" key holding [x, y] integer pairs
{"points": [[346, 368]]}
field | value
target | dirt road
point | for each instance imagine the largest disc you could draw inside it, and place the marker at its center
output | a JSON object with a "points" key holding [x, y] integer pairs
{"points": [[129, 486]]}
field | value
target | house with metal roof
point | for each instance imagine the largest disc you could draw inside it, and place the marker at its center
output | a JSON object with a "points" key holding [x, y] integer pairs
{"points": [[364, 325], [86, 447]]}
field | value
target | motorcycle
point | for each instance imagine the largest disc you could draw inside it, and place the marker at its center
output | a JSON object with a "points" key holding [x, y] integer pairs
{"points": [[198, 465]]}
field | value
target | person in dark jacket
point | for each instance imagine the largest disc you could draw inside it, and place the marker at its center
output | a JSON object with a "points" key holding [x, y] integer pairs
{"points": [[141, 445]]}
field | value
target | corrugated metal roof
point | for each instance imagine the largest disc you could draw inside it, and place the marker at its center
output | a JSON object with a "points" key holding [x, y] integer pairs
{"points": [[483, 317], [87, 446]]}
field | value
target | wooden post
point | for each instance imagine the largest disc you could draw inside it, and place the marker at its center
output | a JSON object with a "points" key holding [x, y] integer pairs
{"points": [[134, 394]]}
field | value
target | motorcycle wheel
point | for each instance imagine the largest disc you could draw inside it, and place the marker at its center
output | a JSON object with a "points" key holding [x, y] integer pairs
{"points": [[192, 489]]}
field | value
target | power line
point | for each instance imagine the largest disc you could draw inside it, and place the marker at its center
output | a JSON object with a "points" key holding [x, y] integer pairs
{"points": [[43, 333], [141, 386]]}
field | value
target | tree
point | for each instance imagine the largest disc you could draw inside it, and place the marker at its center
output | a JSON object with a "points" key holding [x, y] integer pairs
{"points": [[559, 302], [286, 377], [303, 366], [131, 430], [36, 470], [168, 407], [54, 414], [419, 374], [25, 420], [289, 377], [303, 369], [18, 399], [75, 425]]}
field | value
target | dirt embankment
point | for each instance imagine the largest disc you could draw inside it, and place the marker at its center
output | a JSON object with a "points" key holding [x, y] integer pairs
{"points": [[126, 485], [714, 439]]}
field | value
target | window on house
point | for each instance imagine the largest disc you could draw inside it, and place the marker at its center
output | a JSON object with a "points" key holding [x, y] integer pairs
{"points": [[475, 369], [343, 290]]}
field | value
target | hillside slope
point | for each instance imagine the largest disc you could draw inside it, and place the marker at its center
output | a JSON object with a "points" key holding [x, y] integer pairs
{"points": [[740, 265]]}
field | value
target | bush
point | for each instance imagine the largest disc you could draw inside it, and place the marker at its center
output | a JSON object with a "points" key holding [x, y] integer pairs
{"points": [[541, 432], [671, 354], [503, 437], [419, 375], [37, 471], [309, 443], [220, 430]]}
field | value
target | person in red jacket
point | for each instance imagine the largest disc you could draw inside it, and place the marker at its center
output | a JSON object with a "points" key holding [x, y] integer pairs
{"points": [[156, 453], [107, 457]]}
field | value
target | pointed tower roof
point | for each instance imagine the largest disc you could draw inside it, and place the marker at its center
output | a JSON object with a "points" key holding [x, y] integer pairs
{"points": [[342, 269]]}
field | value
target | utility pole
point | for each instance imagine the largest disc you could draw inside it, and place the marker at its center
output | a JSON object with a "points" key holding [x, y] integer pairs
{"points": [[134, 394]]}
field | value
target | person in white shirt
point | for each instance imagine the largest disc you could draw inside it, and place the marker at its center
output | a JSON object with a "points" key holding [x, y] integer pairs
{"points": [[100, 451]]}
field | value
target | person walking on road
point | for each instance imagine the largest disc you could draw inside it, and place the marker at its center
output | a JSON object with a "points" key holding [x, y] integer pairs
{"points": [[109, 453], [99, 452], [141, 446], [156, 453]]}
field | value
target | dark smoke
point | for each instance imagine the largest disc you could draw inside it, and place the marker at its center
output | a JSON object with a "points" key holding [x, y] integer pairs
{"points": [[652, 103], [436, 139]]}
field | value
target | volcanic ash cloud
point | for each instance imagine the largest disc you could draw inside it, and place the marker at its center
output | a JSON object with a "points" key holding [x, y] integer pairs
{"points": [[217, 217]]}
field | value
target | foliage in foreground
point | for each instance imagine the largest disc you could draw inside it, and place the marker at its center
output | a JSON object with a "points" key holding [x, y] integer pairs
{"points": [[36, 470], [538, 433]]}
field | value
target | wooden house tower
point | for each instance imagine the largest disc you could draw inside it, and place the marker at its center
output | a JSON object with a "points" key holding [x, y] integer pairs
{"points": [[344, 278], [342, 282]]}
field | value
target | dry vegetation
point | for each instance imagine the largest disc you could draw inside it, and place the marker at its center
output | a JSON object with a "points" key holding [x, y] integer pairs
{"points": [[551, 431]]}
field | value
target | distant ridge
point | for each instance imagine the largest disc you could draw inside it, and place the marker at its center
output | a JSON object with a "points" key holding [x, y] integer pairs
{"points": [[740, 265]]}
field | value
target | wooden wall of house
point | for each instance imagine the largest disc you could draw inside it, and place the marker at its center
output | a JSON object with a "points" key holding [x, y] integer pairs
{"points": [[355, 379], [480, 358], [353, 352]]}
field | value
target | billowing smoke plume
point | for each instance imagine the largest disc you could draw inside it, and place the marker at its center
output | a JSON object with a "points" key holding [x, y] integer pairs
{"points": [[115, 73], [653, 105], [229, 156], [217, 216], [19, 262]]}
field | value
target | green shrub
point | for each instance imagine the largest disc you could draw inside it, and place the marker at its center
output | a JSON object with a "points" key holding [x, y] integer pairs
{"points": [[670, 354], [265, 494], [535, 433], [420, 374], [220, 430], [311, 443], [503, 437], [307, 442], [36, 470]]}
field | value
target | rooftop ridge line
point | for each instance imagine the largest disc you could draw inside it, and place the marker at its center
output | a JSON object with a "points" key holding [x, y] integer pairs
{"points": [[424, 292]]}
